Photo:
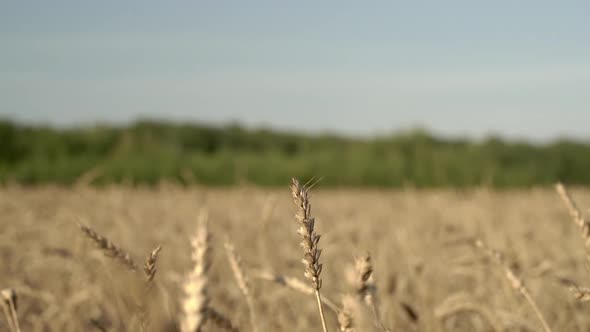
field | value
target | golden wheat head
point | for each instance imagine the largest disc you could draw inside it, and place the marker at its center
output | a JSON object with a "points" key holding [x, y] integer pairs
{"points": [[149, 268], [196, 298], [310, 239], [309, 242]]}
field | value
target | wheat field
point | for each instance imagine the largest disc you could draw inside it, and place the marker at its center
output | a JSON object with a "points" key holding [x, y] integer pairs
{"points": [[170, 258]]}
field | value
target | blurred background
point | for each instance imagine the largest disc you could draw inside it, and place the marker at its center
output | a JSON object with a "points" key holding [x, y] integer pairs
{"points": [[380, 94]]}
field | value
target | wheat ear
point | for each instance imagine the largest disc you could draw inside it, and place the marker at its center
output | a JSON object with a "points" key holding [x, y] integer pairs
{"points": [[581, 294], [109, 248], [347, 313], [9, 304], [354, 315], [309, 242], [235, 262], [515, 281], [365, 287], [345, 321], [149, 270], [577, 216], [364, 284], [196, 298], [149, 267]]}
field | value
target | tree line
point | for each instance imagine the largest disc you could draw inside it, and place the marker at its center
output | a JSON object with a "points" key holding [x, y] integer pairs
{"points": [[148, 152]]}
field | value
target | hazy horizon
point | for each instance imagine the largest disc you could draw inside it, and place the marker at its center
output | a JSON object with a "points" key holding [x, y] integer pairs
{"points": [[458, 69]]}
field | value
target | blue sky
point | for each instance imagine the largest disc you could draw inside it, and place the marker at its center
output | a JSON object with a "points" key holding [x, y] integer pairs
{"points": [[515, 68]]}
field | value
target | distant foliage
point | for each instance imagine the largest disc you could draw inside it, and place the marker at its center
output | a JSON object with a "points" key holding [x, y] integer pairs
{"points": [[150, 151]]}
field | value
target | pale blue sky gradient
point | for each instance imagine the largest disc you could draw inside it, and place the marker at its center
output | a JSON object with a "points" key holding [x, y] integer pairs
{"points": [[516, 68]]}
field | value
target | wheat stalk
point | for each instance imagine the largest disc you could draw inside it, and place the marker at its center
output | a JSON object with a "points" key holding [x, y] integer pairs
{"points": [[9, 304], [196, 299], [515, 281], [109, 248], [112, 250], [242, 280], [309, 242], [294, 284]]}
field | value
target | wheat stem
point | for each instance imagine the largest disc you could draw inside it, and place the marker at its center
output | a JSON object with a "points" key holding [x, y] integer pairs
{"points": [[242, 280], [318, 298]]}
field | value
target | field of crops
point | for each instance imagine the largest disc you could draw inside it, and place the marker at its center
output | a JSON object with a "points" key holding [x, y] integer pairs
{"points": [[426, 273]]}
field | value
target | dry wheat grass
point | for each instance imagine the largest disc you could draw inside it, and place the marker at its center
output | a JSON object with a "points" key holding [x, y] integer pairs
{"points": [[516, 281]]}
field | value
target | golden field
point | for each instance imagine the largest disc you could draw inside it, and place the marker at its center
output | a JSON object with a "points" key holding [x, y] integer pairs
{"points": [[428, 275]]}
